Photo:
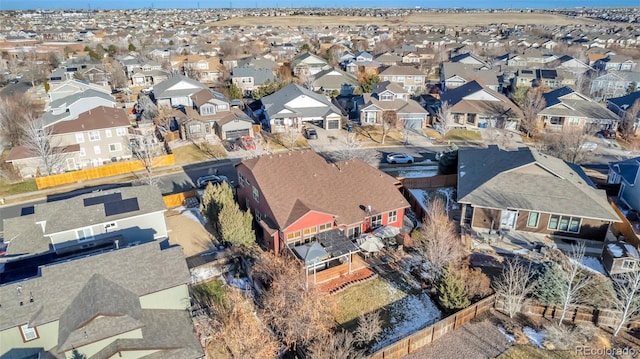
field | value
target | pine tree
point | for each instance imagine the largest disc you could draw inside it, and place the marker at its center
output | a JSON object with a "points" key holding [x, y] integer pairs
{"points": [[214, 198], [451, 290], [549, 286]]}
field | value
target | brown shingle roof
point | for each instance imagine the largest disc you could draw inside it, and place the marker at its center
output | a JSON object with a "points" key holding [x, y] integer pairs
{"points": [[22, 152], [97, 118], [298, 182]]}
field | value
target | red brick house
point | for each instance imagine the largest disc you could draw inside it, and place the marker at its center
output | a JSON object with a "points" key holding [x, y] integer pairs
{"points": [[298, 197]]}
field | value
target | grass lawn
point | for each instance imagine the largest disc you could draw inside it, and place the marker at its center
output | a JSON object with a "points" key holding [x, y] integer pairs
{"points": [[373, 134], [531, 352], [277, 142], [8, 189], [431, 133], [364, 298], [464, 135], [193, 153]]}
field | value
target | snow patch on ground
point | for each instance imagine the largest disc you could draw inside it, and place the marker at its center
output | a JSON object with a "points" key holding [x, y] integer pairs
{"points": [[592, 264], [631, 250], [241, 283], [192, 213], [535, 337], [509, 336], [418, 171], [408, 315]]}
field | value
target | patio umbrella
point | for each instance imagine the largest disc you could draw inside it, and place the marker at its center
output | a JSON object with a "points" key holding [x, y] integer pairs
{"points": [[386, 232], [372, 244]]}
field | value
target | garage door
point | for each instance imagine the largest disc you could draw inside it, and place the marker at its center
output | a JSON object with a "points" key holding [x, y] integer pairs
{"points": [[235, 134], [333, 124]]}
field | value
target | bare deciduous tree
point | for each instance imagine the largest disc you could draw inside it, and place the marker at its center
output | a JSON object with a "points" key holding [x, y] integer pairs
{"points": [[305, 79], [628, 123], [513, 285], [14, 112], [627, 299], [42, 143], [445, 118], [437, 240], [235, 326], [116, 73], [350, 148], [369, 328], [146, 149], [532, 103], [571, 279], [298, 313], [149, 110], [340, 345], [567, 144], [389, 121]]}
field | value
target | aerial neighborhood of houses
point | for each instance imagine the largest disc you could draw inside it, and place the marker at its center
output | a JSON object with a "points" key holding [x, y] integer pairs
{"points": [[285, 183]]}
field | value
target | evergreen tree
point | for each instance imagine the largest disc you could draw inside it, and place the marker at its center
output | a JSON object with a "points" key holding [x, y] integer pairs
{"points": [[112, 50], [214, 198], [451, 291], [235, 227], [549, 286], [132, 47], [234, 91]]}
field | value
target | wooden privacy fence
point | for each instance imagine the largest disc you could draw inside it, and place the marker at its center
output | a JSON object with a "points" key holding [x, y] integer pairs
{"points": [[575, 313], [625, 228], [433, 332], [430, 182], [113, 169], [177, 199]]}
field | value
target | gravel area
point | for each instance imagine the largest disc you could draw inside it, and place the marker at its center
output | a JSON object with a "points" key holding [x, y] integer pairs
{"points": [[478, 340]]}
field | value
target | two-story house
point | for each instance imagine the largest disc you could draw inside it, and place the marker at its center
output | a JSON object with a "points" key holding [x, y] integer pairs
{"points": [[176, 91], [308, 63], [204, 68], [613, 84], [408, 77], [627, 174], [456, 74], [123, 303], [93, 138], [298, 197], [620, 106], [615, 63], [390, 97], [72, 87], [332, 80], [249, 78]]}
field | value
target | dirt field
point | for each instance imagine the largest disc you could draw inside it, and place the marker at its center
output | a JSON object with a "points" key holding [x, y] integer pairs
{"points": [[186, 231], [413, 19]]}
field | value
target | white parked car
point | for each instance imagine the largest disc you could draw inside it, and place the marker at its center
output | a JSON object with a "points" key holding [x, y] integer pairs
{"points": [[398, 157], [589, 146]]}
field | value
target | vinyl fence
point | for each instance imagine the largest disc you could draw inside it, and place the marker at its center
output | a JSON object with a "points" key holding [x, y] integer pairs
{"points": [[113, 169]]}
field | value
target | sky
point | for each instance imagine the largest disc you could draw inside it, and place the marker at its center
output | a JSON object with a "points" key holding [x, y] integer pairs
{"points": [[193, 4]]}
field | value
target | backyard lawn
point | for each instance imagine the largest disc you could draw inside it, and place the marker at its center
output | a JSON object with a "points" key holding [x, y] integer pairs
{"points": [[364, 298]]}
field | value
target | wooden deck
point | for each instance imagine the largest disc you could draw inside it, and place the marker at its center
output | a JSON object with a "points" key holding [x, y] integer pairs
{"points": [[335, 279]]}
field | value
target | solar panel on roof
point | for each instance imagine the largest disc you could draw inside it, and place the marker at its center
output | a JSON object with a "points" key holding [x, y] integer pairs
{"points": [[119, 207], [112, 197]]}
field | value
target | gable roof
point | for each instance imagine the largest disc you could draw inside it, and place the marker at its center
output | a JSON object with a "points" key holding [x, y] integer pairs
{"points": [[312, 184], [277, 101], [627, 169], [401, 70], [260, 75], [456, 98], [528, 180], [163, 89], [574, 103], [98, 118], [469, 73], [205, 95], [96, 296], [332, 78], [86, 94], [626, 101]]}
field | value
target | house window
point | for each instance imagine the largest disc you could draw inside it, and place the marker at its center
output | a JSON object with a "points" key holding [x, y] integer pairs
{"points": [[96, 150], [256, 193], [532, 222], [108, 133], [80, 137], [258, 216], [28, 333], [84, 234], [628, 264], [564, 223], [94, 135], [325, 227], [115, 147], [386, 97], [222, 107], [247, 80], [121, 131], [376, 220], [293, 236], [393, 217], [555, 120], [82, 152], [310, 232], [206, 110], [241, 179], [369, 117], [111, 225]]}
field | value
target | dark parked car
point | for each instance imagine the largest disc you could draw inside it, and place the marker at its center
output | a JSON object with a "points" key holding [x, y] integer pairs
{"points": [[310, 134], [608, 134], [203, 181], [14, 81]]}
